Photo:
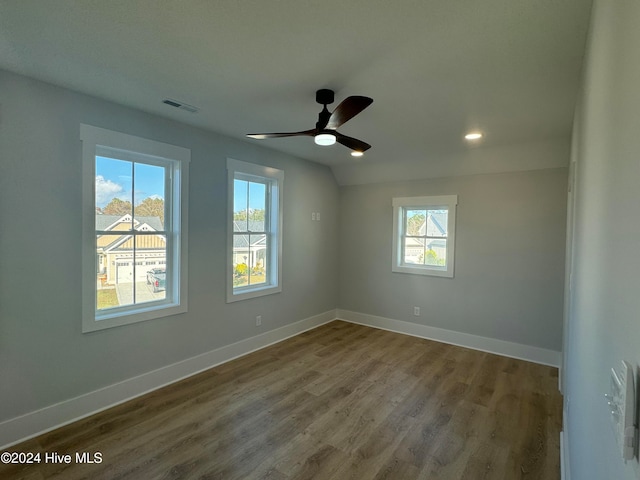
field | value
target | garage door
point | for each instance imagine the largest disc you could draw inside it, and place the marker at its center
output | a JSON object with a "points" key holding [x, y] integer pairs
{"points": [[124, 272]]}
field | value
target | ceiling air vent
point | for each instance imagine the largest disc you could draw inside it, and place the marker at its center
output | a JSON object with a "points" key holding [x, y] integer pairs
{"points": [[181, 105]]}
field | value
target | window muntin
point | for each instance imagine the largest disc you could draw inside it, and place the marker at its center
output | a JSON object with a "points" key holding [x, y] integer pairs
{"points": [[423, 235], [134, 265], [255, 230]]}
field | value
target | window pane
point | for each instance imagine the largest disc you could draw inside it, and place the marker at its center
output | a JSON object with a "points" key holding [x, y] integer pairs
{"points": [[150, 271], [114, 272], [437, 223], [240, 260], [149, 196], [256, 245], [436, 252], [413, 249], [114, 190], [258, 259], [257, 197], [415, 222], [240, 207]]}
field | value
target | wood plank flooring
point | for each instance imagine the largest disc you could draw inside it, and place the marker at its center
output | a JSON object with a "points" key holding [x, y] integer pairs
{"points": [[339, 402]]}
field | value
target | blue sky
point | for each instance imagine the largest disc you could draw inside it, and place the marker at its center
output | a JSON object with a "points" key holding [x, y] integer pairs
{"points": [[114, 179], [256, 195]]}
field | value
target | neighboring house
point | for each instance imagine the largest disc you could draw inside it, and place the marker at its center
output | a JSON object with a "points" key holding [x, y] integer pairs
{"points": [[115, 262], [435, 225], [250, 249]]}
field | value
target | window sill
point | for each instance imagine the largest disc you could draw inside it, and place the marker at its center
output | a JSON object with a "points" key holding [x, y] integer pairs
{"points": [[429, 271], [117, 319], [252, 293]]}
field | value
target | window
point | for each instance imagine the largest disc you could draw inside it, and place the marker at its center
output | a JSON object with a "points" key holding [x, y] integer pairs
{"points": [[134, 228], [423, 235], [254, 240]]}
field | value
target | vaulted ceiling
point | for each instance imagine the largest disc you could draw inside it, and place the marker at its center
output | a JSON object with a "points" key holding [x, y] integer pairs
{"points": [[435, 68]]}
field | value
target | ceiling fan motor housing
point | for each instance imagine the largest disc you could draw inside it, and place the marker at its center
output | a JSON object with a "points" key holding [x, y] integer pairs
{"points": [[324, 96]]}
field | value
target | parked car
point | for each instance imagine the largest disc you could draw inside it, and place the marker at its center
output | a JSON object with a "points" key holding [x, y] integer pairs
{"points": [[157, 278]]}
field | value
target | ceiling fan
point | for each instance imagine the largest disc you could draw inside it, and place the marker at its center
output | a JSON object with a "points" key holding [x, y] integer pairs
{"points": [[326, 132]]}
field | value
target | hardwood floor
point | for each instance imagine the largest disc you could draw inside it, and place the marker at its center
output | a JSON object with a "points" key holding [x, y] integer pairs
{"points": [[339, 402]]}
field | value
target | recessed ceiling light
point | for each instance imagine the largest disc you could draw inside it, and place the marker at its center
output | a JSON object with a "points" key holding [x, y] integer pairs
{"points": [[473, 136], [356, 153]]}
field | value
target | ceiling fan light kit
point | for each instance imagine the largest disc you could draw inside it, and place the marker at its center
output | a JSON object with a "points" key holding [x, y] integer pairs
{"points": [[325, 139], [326, 133]]}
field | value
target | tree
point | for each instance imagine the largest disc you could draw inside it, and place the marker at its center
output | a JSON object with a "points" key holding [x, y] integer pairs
{"points": [[414, 223], [254, 214], [151, 207], [117, 207], [434, 259]]}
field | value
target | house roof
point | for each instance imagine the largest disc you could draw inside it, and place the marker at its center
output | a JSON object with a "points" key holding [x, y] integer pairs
{"points": [[120, 238], [242, 241], [104, 222], [435, 224], [253, 226]]}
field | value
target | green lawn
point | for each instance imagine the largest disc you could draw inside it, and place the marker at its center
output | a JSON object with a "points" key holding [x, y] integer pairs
{"points": [[255, 279], [106, 298]]}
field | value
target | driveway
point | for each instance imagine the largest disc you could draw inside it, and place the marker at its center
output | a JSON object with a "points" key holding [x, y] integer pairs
{"points": [[144, 293]]}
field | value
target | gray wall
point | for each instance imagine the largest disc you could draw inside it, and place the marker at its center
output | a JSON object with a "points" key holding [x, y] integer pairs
{"points": [[604, 321], [509, 265], [44, 357]]}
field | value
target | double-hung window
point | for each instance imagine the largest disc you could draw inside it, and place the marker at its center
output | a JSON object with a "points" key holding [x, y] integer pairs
{"points": [[134, 228], [254, 240], [424, 235]]}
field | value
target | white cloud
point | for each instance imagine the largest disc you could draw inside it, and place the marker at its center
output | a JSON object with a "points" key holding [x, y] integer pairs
{"points": [[106, 190]]}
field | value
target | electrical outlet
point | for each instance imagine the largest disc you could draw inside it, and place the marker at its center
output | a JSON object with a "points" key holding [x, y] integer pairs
{"points": [[258, 320], [313, 216], [318, 216], [416, 311]]}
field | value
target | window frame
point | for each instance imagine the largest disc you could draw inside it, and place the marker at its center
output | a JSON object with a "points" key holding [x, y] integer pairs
{"points": [[400, 206], [102, 142], [274, 179]]}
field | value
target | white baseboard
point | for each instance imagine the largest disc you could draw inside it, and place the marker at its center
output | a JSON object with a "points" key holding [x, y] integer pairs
{"points": [[485, 344], [563, 471], [565, 465], [54, 416]]}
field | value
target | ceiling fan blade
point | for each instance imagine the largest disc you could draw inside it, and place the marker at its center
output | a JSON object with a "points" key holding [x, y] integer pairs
{"points": [[352, 143], [349, 108], [305, 133]]}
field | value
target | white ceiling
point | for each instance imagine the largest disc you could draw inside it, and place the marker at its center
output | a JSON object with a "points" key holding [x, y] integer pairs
{"points": [[435, 68]]}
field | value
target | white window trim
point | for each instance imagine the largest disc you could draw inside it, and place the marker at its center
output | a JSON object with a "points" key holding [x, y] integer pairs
{"points": [[432, 202], [94, 138], [277, 187]]}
